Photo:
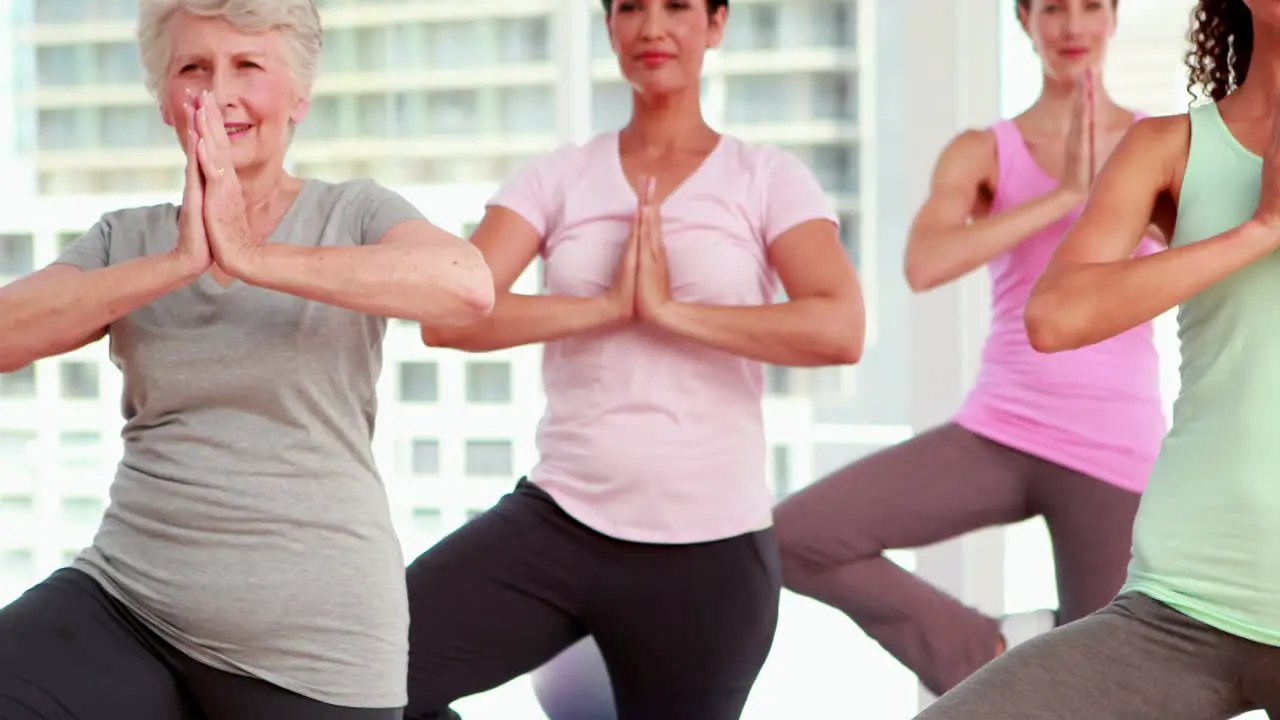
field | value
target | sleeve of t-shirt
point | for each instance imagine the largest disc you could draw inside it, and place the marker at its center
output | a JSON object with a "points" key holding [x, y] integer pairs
{"points": [[791, 195], [380, 209], [532, 192], [91, 251]]}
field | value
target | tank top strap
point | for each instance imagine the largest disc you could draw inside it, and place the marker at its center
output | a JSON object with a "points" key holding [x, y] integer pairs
{"points": [[1011, 149]]}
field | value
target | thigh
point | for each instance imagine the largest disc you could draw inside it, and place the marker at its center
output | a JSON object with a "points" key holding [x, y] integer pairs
{"points": [[495, 599], [1091, 526], [1134, 660], [940, 484], [70, 652], [225, 696], [685, 629]]}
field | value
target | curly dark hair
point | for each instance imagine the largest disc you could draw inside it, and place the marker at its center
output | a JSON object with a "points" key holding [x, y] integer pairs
{"points": [[1221, 39]]}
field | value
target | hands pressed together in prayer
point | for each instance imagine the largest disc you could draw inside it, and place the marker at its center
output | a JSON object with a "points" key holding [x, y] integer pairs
{"points": [[641, 287], [213, 226]]}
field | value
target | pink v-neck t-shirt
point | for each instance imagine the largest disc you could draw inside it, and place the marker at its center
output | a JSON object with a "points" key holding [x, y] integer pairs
{"points": [[647, 436], [1096, 410]]}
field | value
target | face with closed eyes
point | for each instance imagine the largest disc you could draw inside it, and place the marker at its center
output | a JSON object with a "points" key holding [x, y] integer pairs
{"points": [[661, 44], [1070, 36], [248, 77]]}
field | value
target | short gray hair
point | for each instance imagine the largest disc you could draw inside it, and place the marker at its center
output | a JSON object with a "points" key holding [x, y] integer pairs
{"points": [[297, 20]]}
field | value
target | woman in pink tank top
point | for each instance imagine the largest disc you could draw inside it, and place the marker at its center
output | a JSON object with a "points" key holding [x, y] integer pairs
{"points": [[647, 521], [1070, 436]]}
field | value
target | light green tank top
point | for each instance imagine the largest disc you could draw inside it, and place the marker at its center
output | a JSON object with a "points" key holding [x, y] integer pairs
{"points": [[1207, 537]]}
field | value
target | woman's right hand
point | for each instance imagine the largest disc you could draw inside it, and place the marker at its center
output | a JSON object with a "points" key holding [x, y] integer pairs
{"points": [[622, 293], [192, 250], [1080, 165]]}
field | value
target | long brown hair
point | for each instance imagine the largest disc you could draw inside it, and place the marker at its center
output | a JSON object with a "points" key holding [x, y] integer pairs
{"points": [[1221, 38]]}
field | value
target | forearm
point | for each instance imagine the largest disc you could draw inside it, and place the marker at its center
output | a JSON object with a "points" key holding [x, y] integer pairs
{"points": [[808, 332], [527, 319], [940, 257], [411, 282], [1083, 305], [47, 314]]}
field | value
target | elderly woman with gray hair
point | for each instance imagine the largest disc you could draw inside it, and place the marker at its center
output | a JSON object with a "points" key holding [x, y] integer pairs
{"points": [[247, 567]]}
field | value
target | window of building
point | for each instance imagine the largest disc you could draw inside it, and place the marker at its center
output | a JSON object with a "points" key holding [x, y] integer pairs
{"points": [[524, 40], [67, 239], [17, 255], [851, 237], [62, 65], [488, 382], [777, 380], [16, 508], [18, 563], [835, 24], [424, 457], [419, 382], [81, 449], [82, 510], [527, 109], [836, 167], [453, 112], [118, 64], [610, 105], [781, 471], [428, 520], [59, 129], [835, 96], [16, 446], [375, 115], [457, 46], [19, 385], [759, 99], [753, 27], [79, 380], [371, 49], [489, 458]]}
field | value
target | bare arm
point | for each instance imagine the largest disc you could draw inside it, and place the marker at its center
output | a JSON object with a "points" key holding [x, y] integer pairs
{"points": [[62, 307], [952, 235], [509, 244], [822, 323], [415, 272], [1093, 288]]}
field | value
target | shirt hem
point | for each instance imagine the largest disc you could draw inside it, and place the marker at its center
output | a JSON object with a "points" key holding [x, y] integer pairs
{"points": [[1203, 612], [968, 421], [582, 512], [218, 662]]}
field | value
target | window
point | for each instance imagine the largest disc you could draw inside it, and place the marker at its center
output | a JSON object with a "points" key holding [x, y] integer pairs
{"points": [[453, 112], [834, 24], [428, 520], [601, 44], [527, 109], [79, 380], [60, 66], [489, 458], [17, 563], [418, 382], [59, 129], [524, 40], [80, 449], [371, 49], [17, 255], [835, 96], [324, 119], [19, 385], [781, 471], [455, 45], [610, 105], [340, 55], [16, 508], [777, 380], [850, 237], [16, 446], [758, 99], [836, 167], [82, 510], [118, 63], [753, 27], [488, 382], [424, 457], [67, 239], [375, 116]]}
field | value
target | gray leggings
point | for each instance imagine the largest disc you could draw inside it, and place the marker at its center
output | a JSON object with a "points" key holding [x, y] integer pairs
{"points": [[939, 485], [1137, 659]]}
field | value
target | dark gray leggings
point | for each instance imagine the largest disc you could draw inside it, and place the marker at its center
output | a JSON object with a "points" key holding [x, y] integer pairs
{"points": [[683, 629], [939, 485], [1137, 659], [69, 651]]}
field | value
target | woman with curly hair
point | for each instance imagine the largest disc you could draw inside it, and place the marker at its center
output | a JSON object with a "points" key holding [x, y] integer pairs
{"points": [[1070, 438], [1195, 632]]}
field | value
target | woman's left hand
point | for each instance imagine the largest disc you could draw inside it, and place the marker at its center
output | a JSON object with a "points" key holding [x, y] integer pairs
{"points": [[226, 222], [653, 281]]}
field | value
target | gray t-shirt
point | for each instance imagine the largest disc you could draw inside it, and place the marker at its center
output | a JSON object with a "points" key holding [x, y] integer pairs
{"points": [[248, 524]]}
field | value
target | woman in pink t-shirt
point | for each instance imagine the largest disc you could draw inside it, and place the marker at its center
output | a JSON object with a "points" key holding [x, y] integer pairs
{"points": [[1069, 436], [647, 520]]}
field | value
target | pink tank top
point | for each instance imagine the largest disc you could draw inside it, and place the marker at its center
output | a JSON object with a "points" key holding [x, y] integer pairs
{"points": [[1096, 410]]}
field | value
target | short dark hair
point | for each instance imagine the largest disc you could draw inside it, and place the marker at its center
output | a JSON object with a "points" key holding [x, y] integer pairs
{"points": [[712, 6], [1026, 4]]}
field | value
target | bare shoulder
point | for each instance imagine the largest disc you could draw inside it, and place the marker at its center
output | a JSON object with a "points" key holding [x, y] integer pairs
{"points": [[1168, 134]]}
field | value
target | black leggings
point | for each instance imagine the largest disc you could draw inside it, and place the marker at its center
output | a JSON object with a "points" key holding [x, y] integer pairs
{"points": [[69, 651], [684, 629]]}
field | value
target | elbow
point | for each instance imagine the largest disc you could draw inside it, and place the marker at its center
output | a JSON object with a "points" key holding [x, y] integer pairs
{"points": [[848, 350], [465, 299], [1048, 330], [920, 276]]}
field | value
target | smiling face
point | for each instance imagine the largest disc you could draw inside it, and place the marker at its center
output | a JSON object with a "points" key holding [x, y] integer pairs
{"points": [[1070, 36], [661, 44], [247, 76]]}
